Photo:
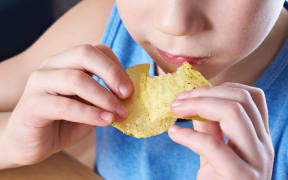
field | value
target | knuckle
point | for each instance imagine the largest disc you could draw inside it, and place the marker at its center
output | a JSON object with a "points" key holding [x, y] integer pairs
{"points": [[85, 50], [76, 77], [251, 174], [213, 143], [244, 95], [90, 112], [247, 173], [63, 107], [260, 93], [270, 152], [102, 46], [111, 100], [113, 71], [236, 108], [89, 109]]}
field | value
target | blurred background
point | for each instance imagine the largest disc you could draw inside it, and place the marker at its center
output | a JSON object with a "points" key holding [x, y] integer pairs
{"points": [[21, 24], [23, 21]]}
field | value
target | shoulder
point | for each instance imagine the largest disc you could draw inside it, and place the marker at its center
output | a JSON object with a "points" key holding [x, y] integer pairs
{"points": [[97, 12]]}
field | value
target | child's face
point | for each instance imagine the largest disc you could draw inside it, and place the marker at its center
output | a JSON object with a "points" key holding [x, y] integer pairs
{"points": [[223, 31]]}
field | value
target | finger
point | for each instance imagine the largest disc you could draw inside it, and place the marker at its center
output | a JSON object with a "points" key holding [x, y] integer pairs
{"points": [[232, 117], [75, 82], [106, 50], [236, 94], [208, 127], [62, 108], [258, 97], [221, 157], [211, 128], [91, 59]]}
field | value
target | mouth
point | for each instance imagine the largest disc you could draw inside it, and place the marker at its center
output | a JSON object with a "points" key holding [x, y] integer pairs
{"points": [[178, 60]]}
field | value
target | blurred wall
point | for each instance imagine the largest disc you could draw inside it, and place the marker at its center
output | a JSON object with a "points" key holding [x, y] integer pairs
{"points": [[61, 6], [23, 21]]}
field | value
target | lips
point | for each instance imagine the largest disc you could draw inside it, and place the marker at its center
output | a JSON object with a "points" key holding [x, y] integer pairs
{"points": [[178, 60]]}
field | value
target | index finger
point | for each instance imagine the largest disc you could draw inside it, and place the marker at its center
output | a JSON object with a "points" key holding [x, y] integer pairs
{"points": [[96, 61]]}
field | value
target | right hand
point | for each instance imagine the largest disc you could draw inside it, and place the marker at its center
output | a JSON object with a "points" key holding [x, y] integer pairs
{"points": [[62, 103]]}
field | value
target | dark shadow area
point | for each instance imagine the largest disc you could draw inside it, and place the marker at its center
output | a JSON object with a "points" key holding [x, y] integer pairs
{"points": [[21, 23]]}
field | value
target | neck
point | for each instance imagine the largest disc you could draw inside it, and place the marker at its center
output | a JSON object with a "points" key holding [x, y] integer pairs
{"points": [[253, 66]]}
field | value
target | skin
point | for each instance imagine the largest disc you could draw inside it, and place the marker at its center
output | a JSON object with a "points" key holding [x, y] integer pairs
{"points": [[241, 115], [208, 29], [200, 29], [72, 109], [44, 113]]}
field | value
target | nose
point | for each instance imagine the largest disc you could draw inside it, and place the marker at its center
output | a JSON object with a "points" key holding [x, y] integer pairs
{"points": [[179, 18]]}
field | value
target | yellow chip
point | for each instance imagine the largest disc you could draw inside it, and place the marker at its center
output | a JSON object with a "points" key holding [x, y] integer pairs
{"points": [[149, 106]]}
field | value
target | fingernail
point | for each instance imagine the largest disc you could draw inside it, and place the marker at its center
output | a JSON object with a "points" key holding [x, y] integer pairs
{"points": [[124, 90], [174, 128], [176, 103], [121, 111], [107, 116]]}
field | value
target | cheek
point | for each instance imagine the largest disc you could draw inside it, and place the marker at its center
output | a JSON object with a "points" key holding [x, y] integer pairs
{"points": [[135, 16], [242, 29]]}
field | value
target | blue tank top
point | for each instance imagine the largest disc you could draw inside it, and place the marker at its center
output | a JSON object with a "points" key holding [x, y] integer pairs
{"points": [[121, 157]]}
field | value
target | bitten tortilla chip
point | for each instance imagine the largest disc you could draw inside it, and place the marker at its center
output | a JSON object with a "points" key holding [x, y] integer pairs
{"points": [[149, 106]]}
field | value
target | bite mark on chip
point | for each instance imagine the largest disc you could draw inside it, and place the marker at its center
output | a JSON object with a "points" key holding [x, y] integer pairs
{"points": [[149, 111]]}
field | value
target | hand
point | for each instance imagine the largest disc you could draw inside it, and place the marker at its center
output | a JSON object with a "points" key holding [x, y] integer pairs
{"points": [[62, 103], [239, 112]]}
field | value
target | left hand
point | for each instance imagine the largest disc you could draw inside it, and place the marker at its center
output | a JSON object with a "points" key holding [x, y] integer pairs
{"points": [[239, 112]]}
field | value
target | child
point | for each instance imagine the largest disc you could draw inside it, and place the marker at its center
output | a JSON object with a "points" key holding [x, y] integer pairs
{"points": [[237, 41]]}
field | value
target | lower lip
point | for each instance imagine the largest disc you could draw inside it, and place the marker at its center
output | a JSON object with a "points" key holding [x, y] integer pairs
{"points": [[179, 60]]}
